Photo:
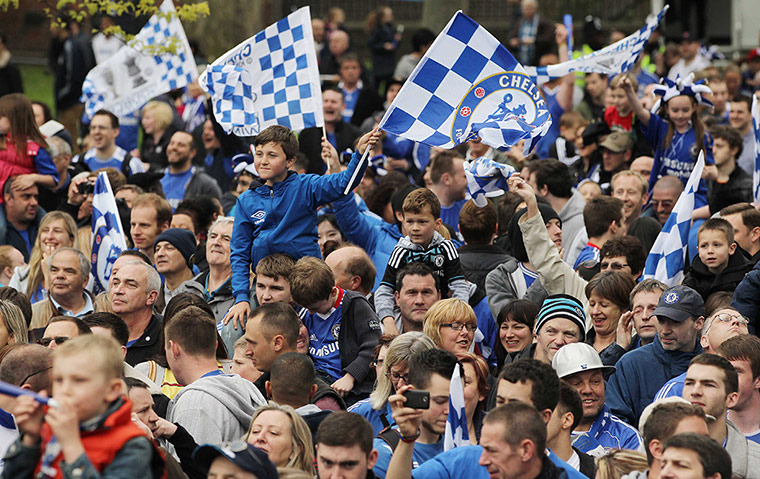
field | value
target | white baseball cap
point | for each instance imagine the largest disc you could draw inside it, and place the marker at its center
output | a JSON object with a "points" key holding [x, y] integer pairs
{"points": [[576, 357]]}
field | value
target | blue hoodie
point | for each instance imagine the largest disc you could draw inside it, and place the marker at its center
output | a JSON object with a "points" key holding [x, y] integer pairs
{"points": [[283, 219], [640, 374]]}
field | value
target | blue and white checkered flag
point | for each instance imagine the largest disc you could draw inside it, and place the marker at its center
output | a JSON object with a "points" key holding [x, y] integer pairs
{"points": [[756, 128], [234, 101], [280, 85], [486, 178], [667, 257], [619, 57], [468, 85], [108, 239], [456, 423], [129, 79]]}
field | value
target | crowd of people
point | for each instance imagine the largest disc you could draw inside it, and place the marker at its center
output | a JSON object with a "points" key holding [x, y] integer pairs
{"points": [[264, 323]]}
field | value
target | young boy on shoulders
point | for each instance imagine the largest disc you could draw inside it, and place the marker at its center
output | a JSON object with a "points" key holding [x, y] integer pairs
{"points": [[422, 243], [91, 434], [717, 267], [343, 329], [278, 213]]}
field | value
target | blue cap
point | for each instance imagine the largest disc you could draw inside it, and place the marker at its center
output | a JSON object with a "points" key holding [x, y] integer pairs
{"points": [[680, 303], [243, 455]]}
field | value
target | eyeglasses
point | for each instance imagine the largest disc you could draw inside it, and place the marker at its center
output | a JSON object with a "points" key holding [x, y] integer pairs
{"points": [[34, 374], [58, 340], [728, 318], [394, 376], [613, 266], [460, 326]]}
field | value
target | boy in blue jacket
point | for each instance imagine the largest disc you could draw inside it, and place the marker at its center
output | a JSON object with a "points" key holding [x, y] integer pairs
{"points": [[278, 213]]}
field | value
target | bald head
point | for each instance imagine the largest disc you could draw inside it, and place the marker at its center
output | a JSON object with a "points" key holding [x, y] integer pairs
{"points": [[643, 166], [352, 268], [339, 42]]}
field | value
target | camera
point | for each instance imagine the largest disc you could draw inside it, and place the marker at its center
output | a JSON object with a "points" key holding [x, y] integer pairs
{"points": [[86, 188]]}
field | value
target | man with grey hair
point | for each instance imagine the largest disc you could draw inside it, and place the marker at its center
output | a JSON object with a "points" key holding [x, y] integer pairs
{"points": [[60, 152], [68, 272], [214, 285], [133, 290]]}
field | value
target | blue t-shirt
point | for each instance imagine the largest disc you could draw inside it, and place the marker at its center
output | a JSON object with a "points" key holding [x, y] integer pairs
{"points": [[364, 408], [175, 186], [129, 130], [324, 332], [588, 252], [462, 462], [94, 163], [421, 454], [679, 158], [349, 100], [450, 214]]}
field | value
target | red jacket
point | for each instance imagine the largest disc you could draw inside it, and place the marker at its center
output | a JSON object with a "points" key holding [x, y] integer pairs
{"points": [[102, 444]]}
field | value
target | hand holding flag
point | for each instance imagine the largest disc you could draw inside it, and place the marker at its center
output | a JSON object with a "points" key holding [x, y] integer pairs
{"points": [[456, 423]]}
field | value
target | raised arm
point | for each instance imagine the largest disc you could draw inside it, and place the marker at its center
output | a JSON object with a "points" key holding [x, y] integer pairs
{"points": [[638, 109]]}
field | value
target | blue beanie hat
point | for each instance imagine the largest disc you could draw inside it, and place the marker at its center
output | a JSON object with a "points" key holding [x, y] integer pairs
{"points": [[181, 239], [562, 306]]}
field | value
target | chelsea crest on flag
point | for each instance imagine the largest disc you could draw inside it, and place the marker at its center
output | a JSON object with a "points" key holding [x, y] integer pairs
{"points": [[468, 85]]}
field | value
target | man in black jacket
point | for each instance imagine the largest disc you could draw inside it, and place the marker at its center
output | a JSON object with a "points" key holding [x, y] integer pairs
{"points": [[479, 256], [339, 133]]}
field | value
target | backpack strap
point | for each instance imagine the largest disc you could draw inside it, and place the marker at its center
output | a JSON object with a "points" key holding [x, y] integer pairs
{"points": [[384, 420], [390, 436]]}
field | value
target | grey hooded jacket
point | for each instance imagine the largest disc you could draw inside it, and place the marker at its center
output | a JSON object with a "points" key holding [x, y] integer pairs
{"points": [[216, 409]]}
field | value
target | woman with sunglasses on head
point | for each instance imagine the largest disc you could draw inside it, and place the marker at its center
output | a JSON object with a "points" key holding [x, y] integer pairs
{"points": [[393, 374]]}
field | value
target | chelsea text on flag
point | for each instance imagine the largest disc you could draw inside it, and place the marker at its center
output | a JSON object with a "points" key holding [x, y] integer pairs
{"points": [[130, 78], [269, 79], [468, 85], [108, 239], [667, 257]]}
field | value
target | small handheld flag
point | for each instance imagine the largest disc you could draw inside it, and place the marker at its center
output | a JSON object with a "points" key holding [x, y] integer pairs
{"points": [[667, 257], [456, 423], [486, 178], [756, 129], [108, 239]]}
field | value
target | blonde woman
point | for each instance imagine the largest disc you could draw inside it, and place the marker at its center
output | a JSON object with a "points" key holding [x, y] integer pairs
{"points": [[393, 374], [620, 462], [157, 118], [283, 434], [57, 229], [13, 326], [451, 324]]}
